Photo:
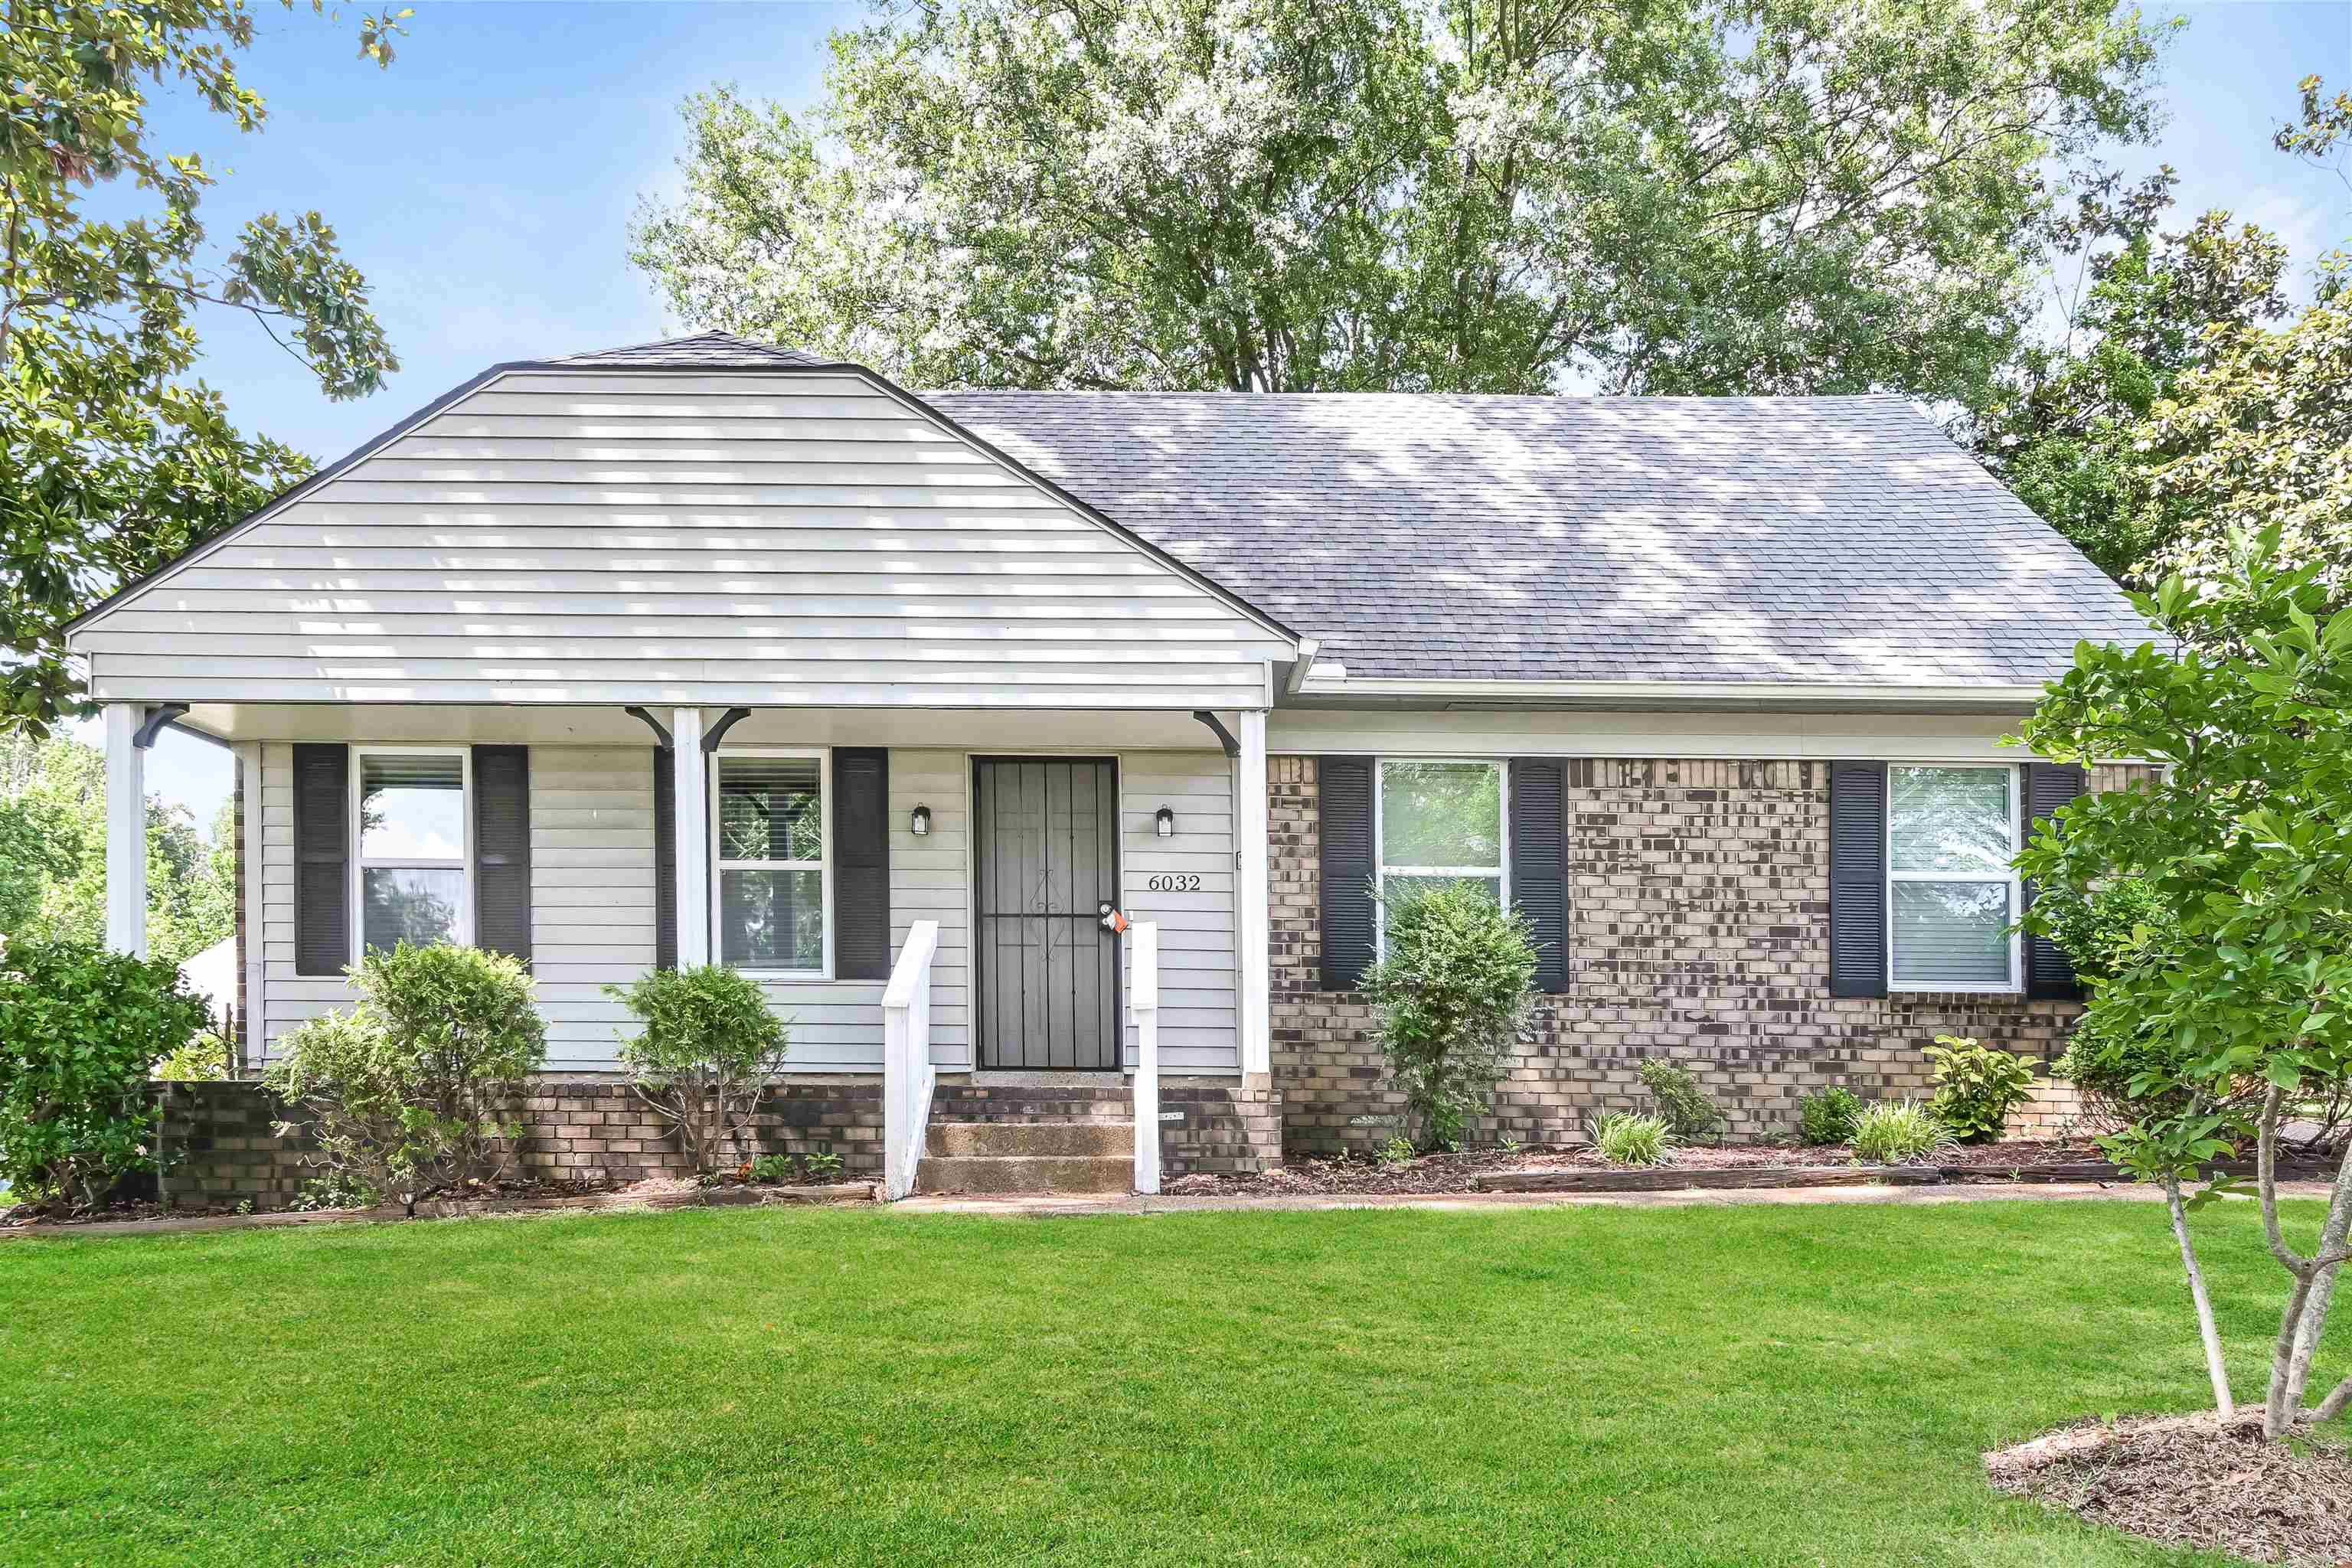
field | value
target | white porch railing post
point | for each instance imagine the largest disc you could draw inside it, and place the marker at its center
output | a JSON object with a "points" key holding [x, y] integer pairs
{"points": [[126, 830], [907, 1072], [1143, 984]]}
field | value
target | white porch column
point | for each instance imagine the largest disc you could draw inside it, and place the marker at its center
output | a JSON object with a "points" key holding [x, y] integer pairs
{"points": [[1249, 893], [126, 830], [693, 818]]}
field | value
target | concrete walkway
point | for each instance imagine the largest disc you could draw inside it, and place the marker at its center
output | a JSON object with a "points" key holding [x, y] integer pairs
{"points": [[1048, 1205]]}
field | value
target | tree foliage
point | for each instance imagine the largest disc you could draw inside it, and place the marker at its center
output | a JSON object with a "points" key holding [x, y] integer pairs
{"points": [[53, 854], [2213, 1023], [111, 461], [1483, 195], [710, 1044], [2063, 425]]}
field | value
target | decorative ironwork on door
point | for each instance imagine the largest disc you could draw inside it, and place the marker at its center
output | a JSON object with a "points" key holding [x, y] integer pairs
{"points": [[1047, 982]]}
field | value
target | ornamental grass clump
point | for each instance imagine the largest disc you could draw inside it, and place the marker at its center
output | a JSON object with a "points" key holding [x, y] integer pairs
{"points": [[78, 1028], [411, 1093], [1899, 1132], [1626, 1139], [1452, 994], [709, 1046]]}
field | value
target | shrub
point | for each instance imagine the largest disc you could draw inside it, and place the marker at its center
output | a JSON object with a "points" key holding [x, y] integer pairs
{"points": [[1685, 1108], [709, 1045], [1453, 993], [1977, 1086], [204, 1060], [404, 1091], [1625, 1138], [1898, 1133], [1397, 1152], [1827, 1117], [772, 1168], [78, 1028], [335, 1190]]}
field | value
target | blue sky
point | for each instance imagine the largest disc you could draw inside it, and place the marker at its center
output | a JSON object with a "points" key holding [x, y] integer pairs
{"points": [[484, 183]]}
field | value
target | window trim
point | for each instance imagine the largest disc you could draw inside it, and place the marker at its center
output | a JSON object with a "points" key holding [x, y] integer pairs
{"points": [[719, 866], [463, 934], [2015, 984], [1381, 867]]}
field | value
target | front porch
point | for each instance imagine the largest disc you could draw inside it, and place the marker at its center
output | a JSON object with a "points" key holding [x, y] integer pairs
{"points": [[597, 843]]}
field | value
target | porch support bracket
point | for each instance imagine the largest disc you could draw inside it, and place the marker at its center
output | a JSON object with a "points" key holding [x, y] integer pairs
{"points": [[660, 733], [162, 713], [1224, 736], [719, 726]]}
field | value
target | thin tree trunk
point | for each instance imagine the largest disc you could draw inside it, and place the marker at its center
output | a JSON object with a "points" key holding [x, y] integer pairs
{"points": [[2207, 1330], [2332, 1235], [2336, 1404]]}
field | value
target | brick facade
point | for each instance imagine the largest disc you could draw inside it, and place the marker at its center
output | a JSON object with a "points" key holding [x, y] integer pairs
{"points": [[1698, 931]]}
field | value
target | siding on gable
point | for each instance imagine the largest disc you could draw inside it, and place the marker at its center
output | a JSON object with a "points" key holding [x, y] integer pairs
{"points": [[773, 541]]}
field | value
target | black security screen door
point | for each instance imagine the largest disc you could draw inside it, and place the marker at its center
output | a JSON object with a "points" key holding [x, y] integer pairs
{"points": [[1046, 854]]}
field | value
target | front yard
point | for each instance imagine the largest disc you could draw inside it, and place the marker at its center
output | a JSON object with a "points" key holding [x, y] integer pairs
{"points": [[1743, 1386]]}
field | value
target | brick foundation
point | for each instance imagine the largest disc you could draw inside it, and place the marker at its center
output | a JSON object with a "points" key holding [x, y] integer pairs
{"points": [[1228, 1125], [1698, 931], [220, 1146]]}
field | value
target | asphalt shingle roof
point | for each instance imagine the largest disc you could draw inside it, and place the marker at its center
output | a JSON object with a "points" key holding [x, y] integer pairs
{"points": [[1830, 539]]}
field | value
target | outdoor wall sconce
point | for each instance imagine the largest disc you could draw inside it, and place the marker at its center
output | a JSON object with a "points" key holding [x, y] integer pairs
{"points": [[921, 823], [1166, 819]]}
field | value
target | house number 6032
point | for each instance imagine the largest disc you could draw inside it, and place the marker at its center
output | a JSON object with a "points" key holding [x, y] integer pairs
{"points": [[1173, 884]]}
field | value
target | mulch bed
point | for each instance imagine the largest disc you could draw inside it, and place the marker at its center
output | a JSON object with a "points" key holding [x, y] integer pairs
{"points": [[2195, 1482], [1444, 1174]]}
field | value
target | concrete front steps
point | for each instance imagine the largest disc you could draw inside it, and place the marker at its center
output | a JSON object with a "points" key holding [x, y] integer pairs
{"points": [[999, 1133]]}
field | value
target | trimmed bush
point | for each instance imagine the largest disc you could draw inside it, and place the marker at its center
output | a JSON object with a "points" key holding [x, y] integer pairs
{"points": [[1453, 994], [1898, 1133], [406, 1093], [78, 1028], [1977, 1086], [708, 1046], [1685, 1108], [1827, 1117], [1625, 1138]]}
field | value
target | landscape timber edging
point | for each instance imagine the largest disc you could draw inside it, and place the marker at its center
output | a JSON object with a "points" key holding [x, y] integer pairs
{"points": [[1666, 1178]]}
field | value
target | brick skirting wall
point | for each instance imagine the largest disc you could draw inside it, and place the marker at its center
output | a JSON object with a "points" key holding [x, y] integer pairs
{"points": [[1698, 931], [220, 1146]]}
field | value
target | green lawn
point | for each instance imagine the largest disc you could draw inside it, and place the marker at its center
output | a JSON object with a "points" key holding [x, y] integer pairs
{"points": [[1750, 1385]]}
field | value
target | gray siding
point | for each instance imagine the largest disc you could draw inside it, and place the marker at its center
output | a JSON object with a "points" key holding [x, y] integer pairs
{"points": [[1200, 1018], [571, 537]]}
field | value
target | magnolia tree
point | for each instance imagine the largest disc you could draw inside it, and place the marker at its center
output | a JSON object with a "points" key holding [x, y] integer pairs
{"points": [[2225, 1009]]}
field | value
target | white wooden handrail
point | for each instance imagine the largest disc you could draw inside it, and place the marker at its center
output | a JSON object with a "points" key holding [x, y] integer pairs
{"points": [[907, 1072], [1143, 988]]}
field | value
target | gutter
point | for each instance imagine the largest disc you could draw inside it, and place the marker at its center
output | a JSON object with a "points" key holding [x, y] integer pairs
{"points": [[1341, 690]]}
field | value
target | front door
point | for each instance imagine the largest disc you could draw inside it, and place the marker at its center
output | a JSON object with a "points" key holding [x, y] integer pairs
{"points": [[1045, 854]]}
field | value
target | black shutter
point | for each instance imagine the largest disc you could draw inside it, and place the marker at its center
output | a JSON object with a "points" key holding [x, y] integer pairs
{"points": [[503, 850], [322, 860], [861, 863], [2049, 973], [1857, 879], [665, 858], [1344, 790], [1540, 863]]}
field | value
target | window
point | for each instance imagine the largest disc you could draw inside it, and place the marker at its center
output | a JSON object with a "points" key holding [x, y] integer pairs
{"points": [[776, 876], [1952, 894], [1438, 822], [410, 878]]}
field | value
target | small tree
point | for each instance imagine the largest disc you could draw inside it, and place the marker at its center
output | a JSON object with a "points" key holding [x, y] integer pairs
{"points": [[709, 1045], [78, 1028], [1452, 994], [2212, 1024], [408, 1092]]}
